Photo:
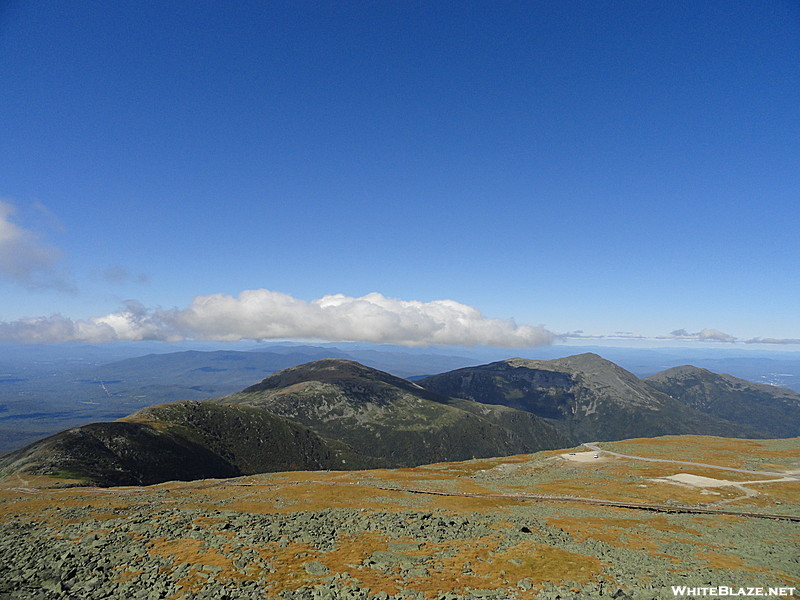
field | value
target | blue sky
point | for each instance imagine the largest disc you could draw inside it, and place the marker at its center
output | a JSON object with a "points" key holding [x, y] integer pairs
{"points": [[598, 167]]}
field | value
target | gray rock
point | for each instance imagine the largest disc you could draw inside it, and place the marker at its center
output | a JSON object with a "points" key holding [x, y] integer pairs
{"points": [[316, 568]]}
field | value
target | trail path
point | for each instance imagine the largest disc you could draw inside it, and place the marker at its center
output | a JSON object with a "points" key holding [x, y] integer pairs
{"points": [[24, 485], [519, 497], [702, 509]]}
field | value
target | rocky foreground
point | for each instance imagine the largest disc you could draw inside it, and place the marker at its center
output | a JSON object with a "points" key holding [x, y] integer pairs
{"points": [[452, 530]]}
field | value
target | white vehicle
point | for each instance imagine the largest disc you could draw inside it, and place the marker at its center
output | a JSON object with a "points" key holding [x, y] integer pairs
{"points": [[597, 456]]}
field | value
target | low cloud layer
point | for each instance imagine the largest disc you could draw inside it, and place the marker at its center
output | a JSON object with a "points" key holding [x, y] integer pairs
{"points": [[781, 341], [579, 334], [264, 314], [705, 335], [25, 258], [714, 335]]}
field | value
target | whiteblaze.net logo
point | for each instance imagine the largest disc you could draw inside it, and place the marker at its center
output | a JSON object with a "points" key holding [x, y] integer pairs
{"points": [[728, 591]]}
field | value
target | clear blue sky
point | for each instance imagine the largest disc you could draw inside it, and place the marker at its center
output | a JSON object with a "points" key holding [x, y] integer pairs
{"points": [[597, 166]]}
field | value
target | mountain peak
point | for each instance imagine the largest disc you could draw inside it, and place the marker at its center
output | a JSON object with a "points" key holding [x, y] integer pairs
{"points": [[686, 370], [586, 363], [586, 395], [326, 370], [772, 411], [390, 420], [586, 358]]}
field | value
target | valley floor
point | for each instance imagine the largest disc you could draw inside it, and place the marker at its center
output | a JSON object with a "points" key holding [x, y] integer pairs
{"points": [[643, 516]]}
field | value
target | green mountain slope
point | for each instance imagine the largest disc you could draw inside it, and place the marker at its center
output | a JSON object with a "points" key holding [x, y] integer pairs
{"points": [[330, 414], [586, 396], [392, 419], [182, 441], [773, 411], [118, 454]]}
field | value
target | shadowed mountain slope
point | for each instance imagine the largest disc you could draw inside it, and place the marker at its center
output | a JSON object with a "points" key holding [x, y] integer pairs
{"points": [[118, 454], [773, 411], [586, 396], [182, 441]]}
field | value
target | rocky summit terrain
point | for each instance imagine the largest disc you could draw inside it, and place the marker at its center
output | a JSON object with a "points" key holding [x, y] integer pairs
{"points": [[622, 520]]}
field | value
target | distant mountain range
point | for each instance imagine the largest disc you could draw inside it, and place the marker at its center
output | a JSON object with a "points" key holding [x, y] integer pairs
{"points": [[45, 389], [339, 414], [328, 414], [41, 397], [590, 398]]}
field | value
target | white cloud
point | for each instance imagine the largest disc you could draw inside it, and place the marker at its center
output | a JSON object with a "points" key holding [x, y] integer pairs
{"points": [[264, 314], [56, 328], [580, 335], [25, 259], [704, 335], [761, 340], [714, 335], [617, 335]]}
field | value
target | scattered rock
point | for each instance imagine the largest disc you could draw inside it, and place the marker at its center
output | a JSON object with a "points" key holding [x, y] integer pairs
{"points": [[316, 568]]}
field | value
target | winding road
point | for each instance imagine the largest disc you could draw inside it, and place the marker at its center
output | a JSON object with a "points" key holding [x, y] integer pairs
{"points": [[598, 449]]}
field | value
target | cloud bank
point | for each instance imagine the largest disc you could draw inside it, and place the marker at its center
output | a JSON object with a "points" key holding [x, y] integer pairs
{"points": [[25, 259], [579, 334], [782, 341], [704, 335], [263, 314]]}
